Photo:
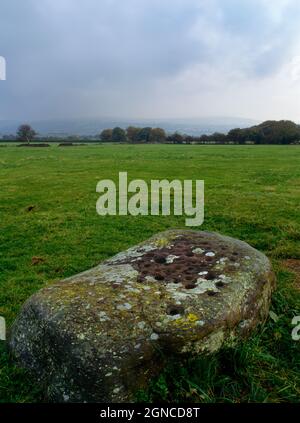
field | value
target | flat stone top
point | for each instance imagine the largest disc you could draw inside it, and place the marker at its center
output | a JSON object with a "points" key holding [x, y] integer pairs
{"points": [[177, 280], [189, 259]]}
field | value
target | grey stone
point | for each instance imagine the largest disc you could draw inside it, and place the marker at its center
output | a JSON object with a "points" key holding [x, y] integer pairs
{"points": [[100, 335]]}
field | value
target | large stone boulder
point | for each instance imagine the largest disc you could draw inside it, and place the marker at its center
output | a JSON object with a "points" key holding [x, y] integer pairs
{"points": [[100, 335]]}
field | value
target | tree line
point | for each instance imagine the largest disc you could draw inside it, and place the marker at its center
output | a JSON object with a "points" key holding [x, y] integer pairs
{"points": [[269, 132]]}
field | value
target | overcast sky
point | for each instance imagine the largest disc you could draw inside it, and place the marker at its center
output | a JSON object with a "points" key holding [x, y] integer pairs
{"points": [[150, 58]]}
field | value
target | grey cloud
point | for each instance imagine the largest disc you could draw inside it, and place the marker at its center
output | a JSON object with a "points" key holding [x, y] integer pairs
{"points": [[78, 57]]}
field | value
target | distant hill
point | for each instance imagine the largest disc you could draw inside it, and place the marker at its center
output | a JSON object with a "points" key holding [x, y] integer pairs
{"points": [[268, 132], [92, 127]]}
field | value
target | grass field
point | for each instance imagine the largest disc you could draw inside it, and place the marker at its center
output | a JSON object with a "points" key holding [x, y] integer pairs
{"points": [[47, 206]]}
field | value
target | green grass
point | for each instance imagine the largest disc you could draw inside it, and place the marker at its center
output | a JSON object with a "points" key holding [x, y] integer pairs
{"points": [[251, 192]]}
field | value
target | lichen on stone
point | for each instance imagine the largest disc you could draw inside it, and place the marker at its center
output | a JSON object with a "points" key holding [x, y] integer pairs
{"points": [[99, 335]]}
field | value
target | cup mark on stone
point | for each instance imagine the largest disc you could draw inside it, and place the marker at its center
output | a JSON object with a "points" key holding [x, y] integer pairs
{"points": [[189, 277], [190, 286], [173, 310], [159, 259], [159, 277], [179, 262], [210, 276]]}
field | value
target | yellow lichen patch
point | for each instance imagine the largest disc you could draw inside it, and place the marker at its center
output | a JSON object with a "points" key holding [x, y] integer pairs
{"points": [[162, 242], [187, 322], [192, 317]]}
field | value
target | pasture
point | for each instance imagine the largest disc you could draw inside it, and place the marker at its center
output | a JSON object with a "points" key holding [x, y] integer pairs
{"points": [[49, 229]]}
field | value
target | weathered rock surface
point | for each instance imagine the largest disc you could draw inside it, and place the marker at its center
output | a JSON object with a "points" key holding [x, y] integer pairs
{"points": [[100, 335]]}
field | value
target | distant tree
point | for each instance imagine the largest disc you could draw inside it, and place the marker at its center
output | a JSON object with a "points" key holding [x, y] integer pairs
{"points": [[175, 138], [219, 138], [254, 136], [157, 135], [106, 135], [132, 133], [269, 132], [144, 134], [26, 133], [189, 139], [118, 135], [204, 139], [278, 132], [236, 135]]}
